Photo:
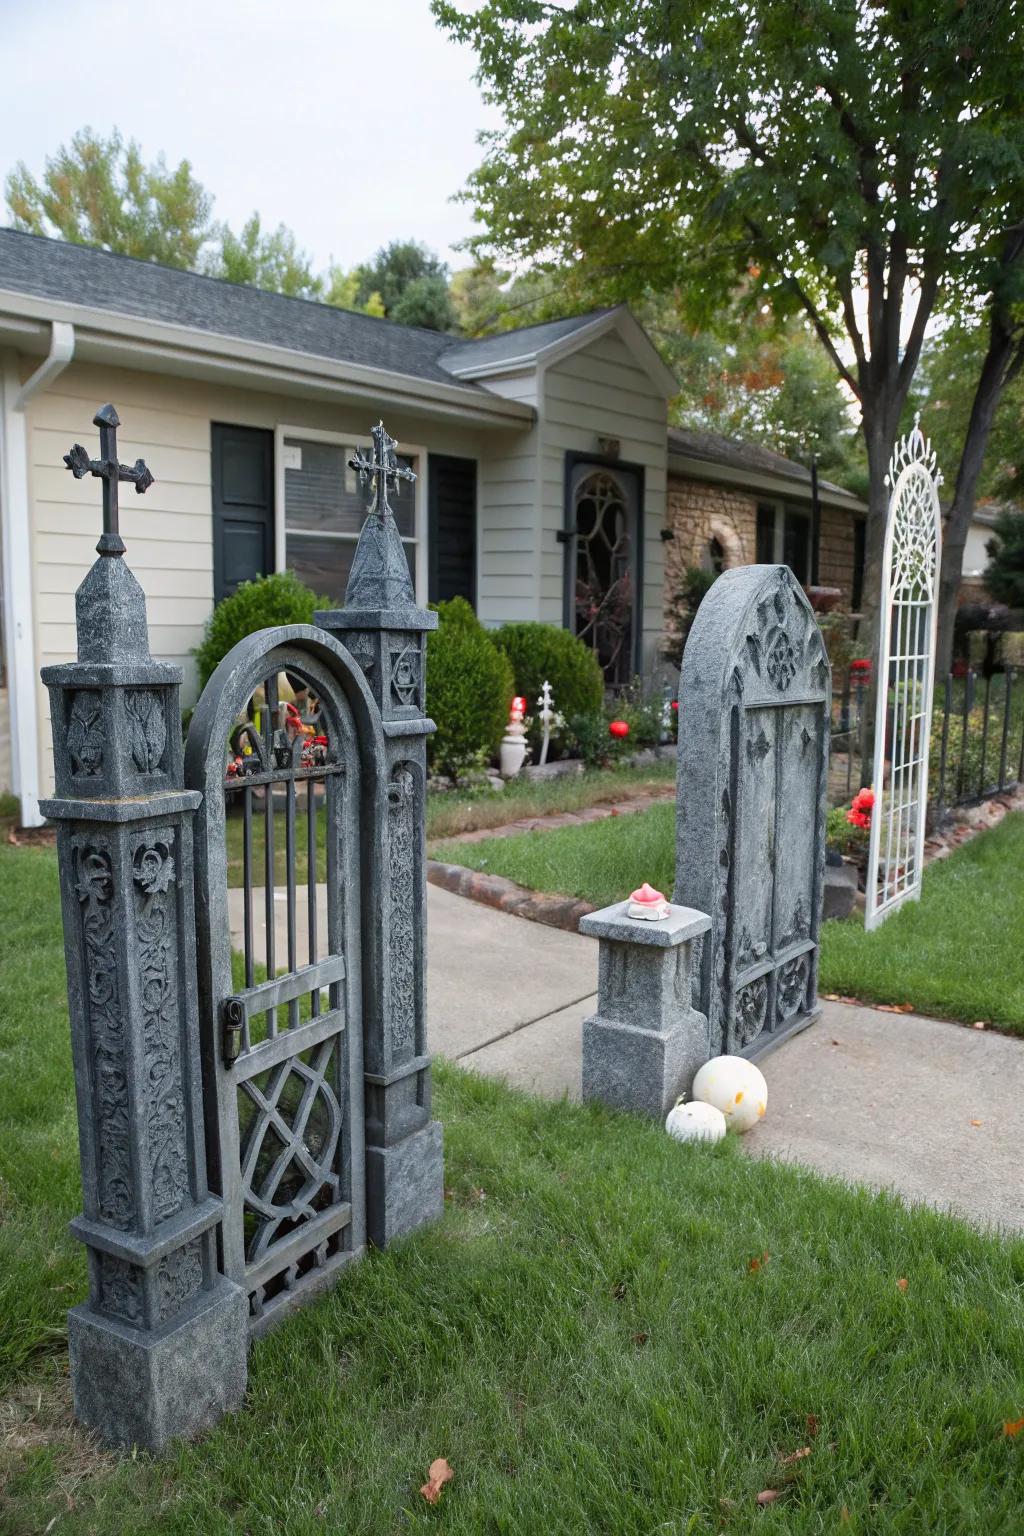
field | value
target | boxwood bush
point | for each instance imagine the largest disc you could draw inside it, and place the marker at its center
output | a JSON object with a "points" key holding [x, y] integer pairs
{"points": [[469, 689], [278, 599], [539, 651]]}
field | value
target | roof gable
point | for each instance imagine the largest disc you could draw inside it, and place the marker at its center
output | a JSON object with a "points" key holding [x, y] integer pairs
{"points": [[533, 346]]}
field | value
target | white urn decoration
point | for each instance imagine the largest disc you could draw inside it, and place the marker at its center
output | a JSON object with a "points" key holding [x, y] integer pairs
{"points": [[512, 754], [734, 1086]]}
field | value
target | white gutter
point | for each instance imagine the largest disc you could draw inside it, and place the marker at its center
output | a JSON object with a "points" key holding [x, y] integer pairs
{"points": [[761, 482], [109, 336], [18, 583]]}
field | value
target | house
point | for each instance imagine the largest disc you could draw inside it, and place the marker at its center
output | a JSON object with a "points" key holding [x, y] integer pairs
{"points": [[734, 503], [247, 406], [542, 459]]}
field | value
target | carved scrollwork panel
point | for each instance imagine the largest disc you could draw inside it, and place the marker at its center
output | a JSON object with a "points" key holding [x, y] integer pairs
{"points": [[403, 895]]}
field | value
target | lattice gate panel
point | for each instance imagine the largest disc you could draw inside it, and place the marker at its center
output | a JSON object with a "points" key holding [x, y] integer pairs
{"points": [[906, 674]]}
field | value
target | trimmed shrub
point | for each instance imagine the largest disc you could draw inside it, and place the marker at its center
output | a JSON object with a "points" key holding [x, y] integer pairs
{"points": [[539, 651], [278, 599], [469, 689]]}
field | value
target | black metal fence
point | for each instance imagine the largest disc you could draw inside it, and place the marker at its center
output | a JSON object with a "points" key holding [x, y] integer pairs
{"points": [[977, 741]]}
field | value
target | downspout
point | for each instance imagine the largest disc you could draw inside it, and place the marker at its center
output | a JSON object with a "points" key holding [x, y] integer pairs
{"points": [[18, 575]]}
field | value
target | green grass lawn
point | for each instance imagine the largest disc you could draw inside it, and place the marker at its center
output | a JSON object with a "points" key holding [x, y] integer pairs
{"points": [[453, 812], [956, 953], [582, 1336]]}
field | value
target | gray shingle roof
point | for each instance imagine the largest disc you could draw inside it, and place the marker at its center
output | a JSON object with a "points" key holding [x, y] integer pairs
{"points": [[80, 274], [508, 345], [733, 453]]}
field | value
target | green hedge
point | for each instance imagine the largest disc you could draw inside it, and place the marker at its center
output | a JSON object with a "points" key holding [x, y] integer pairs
{"points": [[278, 599], [543, 651], [469, 690]]}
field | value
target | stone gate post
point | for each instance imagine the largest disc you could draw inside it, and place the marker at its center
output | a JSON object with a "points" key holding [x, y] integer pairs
{"points": [[159, 1349], [384, 630]]}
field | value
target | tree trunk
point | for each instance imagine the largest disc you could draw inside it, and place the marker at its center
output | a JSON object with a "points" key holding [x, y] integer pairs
{"points": [[1002, 362], [879, 437]]}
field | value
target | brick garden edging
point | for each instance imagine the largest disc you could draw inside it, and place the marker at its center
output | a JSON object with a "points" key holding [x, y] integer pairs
{"points": [[495, 891]]}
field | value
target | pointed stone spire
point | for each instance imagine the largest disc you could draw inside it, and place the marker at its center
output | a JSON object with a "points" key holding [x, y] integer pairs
{"points": [[380, 572]]}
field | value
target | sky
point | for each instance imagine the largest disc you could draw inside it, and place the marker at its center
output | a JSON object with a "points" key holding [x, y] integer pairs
{"points": [[352, 121]]}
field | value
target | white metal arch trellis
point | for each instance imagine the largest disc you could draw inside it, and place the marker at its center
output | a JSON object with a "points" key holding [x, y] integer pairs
{"points": [[906, 675]]}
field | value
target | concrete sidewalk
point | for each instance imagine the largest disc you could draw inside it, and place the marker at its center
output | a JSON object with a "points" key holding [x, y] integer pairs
{"points": [[933, 1111]]}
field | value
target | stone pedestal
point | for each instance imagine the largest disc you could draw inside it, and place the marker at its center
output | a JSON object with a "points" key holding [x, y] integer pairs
{"points": [[159, 1349], [646, 1041]]}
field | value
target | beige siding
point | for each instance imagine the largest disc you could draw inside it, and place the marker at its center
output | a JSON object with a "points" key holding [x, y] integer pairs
{"points": [[602, 391], [508, 524], [169, 531]]}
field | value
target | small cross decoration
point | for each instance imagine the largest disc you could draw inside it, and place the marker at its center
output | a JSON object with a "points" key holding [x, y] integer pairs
{"points": [[111, 472], [383, 469]]}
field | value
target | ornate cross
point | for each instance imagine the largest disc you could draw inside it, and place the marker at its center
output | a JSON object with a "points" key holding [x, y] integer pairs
{"points": [[383, 469], [107, 469]]}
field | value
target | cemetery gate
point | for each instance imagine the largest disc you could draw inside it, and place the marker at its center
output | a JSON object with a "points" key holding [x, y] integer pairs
{"points": [[245, 961], [281, 1037]]}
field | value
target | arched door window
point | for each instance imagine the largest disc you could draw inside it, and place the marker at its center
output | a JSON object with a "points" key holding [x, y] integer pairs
{"points": [[604, 506]]}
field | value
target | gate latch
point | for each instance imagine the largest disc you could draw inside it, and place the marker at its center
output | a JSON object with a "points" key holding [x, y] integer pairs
{"points": [[232, 1013]]}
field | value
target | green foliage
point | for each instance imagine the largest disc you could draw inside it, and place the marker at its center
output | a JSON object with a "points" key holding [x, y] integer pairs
{"points": [[1004, 575], [545, 652], [271, 261], [277, 599], [98, 191], [691, 591], [410, 281], [944, 393], [341, 289], [469, 688], [842, 837]]}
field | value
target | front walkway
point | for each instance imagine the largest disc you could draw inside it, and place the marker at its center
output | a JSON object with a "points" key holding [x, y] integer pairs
{"points": [[931, 1110]]}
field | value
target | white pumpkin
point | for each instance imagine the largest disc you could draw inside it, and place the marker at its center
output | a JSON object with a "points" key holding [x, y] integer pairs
{"points": [[695, 1122], [736, 1087]]}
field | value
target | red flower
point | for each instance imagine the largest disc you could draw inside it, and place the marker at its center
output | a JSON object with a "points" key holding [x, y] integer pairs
{"points": [[859, 814]]}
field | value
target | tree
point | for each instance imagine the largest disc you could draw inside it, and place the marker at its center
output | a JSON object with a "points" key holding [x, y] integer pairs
{"points": [[858, 161], [1004, 575], [341, 289], [398, 267], [271, 261], [98, 191]]}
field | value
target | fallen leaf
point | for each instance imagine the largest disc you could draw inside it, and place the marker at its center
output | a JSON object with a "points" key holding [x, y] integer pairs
{"points": [[831, 997], [975, 1122], [979, 1024], [1012, 1428], [640, 1339], [835, 1042], [440, 1473], [895, 1007], [756, 1264], [812, 1424], [787, 1461], [844, 1516], [768, 1496], [902, 1283]]}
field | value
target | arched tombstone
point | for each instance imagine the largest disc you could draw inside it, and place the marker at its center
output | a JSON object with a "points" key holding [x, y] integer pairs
{"points": [[754, 714]]}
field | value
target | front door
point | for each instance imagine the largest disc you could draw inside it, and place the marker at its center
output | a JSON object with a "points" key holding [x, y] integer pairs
{"points": [[451, 538], [243, 506], [603, 549]]}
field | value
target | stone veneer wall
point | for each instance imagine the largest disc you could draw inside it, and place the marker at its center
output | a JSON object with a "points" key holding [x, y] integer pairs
{"points": [[835, 552], [698, 512]]}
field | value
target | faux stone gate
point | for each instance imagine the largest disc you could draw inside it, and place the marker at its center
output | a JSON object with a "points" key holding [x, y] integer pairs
{"points": [[246, 1124]]}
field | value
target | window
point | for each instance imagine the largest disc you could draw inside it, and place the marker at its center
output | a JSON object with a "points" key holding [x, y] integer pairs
{"points": [[784, 538], [713, 558], [324, 510]]}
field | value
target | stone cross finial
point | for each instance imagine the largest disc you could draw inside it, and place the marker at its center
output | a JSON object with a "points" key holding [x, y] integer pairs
{"points": [[381, 470], [110, 471]]}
